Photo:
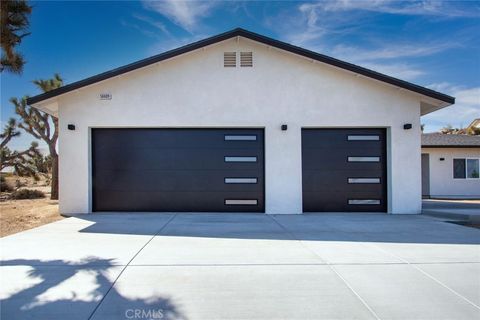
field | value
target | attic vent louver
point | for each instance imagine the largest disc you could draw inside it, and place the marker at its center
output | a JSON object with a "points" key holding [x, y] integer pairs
{"points": [[230, 59], [246, 59]]}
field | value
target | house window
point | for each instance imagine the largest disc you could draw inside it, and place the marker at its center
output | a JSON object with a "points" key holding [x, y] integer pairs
{"points": [[472, 168], [467, 168]]}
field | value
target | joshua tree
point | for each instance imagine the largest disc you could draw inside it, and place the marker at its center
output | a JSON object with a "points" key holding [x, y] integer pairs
{"points": [[10, 131], [14, 24], [42, 164], [21, 162], [42, 125]]}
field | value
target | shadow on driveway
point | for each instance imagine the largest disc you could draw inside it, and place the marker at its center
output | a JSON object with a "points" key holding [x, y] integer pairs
{"points": [[354, 227], [57, 289]]}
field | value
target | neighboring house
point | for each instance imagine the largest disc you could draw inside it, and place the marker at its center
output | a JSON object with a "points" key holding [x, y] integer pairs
{"points": [[450, 166], [240, 122], [474, 126]]}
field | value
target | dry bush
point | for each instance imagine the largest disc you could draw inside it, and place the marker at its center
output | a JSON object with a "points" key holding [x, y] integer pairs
{"points": [[27, 194], [4, 186]]}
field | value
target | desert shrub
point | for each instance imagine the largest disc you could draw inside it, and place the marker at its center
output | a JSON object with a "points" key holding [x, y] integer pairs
{"points": [[19, 183], [4, 186], [27, 194]]}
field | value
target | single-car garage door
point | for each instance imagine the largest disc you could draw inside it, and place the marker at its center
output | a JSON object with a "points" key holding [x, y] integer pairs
{"points": [[178, 170], [344, 170]]}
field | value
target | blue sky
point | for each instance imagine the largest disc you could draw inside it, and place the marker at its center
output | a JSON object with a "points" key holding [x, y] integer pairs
{"points": [[431, 43]]}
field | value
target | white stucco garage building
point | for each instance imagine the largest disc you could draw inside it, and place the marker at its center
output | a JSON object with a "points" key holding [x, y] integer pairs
{"points": [[240, 122]]}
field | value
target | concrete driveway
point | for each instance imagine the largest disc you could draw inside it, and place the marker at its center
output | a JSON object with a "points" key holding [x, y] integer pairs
{"points": [[242, 266], [467, 210]]}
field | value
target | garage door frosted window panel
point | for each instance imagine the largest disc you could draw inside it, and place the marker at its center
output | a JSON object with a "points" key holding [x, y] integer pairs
{"points": [[363, 159], [240, 138], [240, 180], [240, 159], [364, 201], [363, 180], [363, 138], [240, 202]]}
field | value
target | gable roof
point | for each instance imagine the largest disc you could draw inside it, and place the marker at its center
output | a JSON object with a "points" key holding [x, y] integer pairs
{"points": [[441, 140], [239, 32]]}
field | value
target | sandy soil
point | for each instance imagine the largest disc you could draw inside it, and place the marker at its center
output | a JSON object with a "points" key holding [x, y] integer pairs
{"points": [[19, 215]]}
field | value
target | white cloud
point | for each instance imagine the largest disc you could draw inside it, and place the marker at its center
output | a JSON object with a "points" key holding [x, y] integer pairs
{"points": [[185, 14], [172, 43], [398, 70], [461, 114], [469, 97], [385, 59], [139, 28], [313, 31], [388, 51], [308, 25], [152, 22], [312, 21], [424, 7]]}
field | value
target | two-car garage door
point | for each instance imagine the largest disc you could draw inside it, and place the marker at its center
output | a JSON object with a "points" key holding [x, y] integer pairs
{"points": [[223, 170], [178, 170]]}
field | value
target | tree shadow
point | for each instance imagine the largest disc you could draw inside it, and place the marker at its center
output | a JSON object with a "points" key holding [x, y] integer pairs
{"points": [[58, 289]]}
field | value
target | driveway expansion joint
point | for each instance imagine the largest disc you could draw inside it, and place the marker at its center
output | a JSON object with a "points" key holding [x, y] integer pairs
{"points": [[125, 267], [331, 268], [415, 266]]}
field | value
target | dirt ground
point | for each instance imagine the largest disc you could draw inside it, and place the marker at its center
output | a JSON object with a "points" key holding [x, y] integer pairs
{"points": [[19, 215]]}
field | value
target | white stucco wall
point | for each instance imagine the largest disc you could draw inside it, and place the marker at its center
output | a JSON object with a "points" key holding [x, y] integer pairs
{"points": [[442, 183], [195, 90]]}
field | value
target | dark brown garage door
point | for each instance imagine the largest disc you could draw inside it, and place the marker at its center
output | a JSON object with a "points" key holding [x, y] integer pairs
{"points": [[344, 170], [178, 170]]}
